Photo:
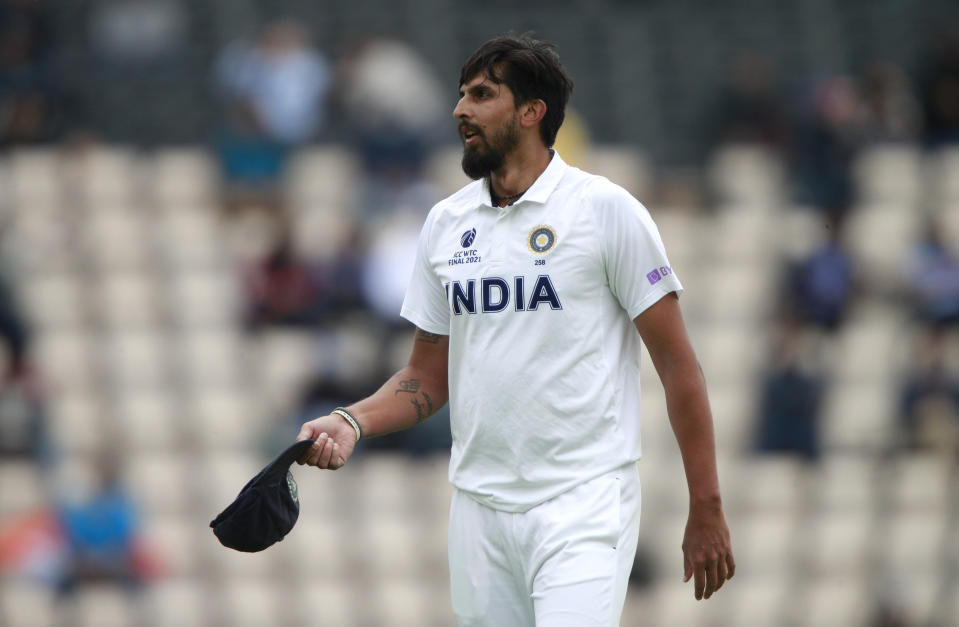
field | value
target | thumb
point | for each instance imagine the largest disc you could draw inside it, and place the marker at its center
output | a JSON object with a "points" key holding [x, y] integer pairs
{"points": [[687, 568], [306, 432]]}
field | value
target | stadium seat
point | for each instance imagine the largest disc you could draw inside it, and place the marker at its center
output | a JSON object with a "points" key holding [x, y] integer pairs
{"points": [[740, 233], [943, 170], [889, 174], [748, 174], [322, 600], [114, 237], [42, 239], [162, 483], [26, 603], [187, 239], [321, 230], [767, 483], [323, 543], [76, 422], [870, 346], [21, 489], [325, 174], [210, 358], [127, 301], [249, 601], [137, 359], [223, 418], [179, 602], [756, 600], [624, 165], [68, 360], [913, 542], [54, 301], [171, 540], [845, 482], [184, 176], [147, 420], [103, 605], [921, 482], [205, 299], [766, 545], [857, 417], [35, 174], [836, 600], [108, 175], [838, 542], [285, 360], [675, 605], [404, 601], [880, 238]]}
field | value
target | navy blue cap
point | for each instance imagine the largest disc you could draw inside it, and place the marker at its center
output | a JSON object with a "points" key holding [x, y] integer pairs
{"points": [[266, 508]]}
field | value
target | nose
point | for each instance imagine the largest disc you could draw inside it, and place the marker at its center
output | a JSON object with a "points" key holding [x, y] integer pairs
{"points": [[460, 110]]}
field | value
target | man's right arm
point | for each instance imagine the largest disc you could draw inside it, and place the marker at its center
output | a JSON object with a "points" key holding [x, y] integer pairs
{"points": [[409, 397]]}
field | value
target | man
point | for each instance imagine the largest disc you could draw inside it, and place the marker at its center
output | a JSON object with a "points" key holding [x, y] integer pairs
{"points": [[529, 287]]}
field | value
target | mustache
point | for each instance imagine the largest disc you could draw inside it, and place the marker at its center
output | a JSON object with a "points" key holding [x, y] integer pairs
{"points": [[466, 126]]}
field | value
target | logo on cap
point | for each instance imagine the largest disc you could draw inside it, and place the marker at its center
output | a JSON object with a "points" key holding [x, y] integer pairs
{"points": [[291, 484]]}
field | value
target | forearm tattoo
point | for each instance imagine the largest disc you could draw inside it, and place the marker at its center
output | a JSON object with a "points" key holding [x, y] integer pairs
{"points": [[423, 336], [412, 387]]}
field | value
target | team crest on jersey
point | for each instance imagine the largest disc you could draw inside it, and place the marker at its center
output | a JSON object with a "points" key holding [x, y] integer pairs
{"points": [[466, 240], [541, 239]]}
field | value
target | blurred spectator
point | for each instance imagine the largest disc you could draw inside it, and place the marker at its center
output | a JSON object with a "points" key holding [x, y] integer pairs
{"points": [[829, 133], [29, 95], [749, 109], [135, 35], [790, 399], [821, 286], [891, 111], [396, 111], [935, 287], [283, 289], [940, 88], [388, 263], [22, 412], [102, 535], [929, 399], [274, 94]]}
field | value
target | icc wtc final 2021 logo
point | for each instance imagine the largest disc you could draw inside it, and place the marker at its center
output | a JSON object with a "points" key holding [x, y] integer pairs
{"points": [[541, 239]]}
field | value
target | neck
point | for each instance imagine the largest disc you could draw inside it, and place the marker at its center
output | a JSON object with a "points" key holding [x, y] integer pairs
{"points": [[520, 171]]}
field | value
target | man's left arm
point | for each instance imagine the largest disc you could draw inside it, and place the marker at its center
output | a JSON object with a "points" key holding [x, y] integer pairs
{"points": [[707, 550]]}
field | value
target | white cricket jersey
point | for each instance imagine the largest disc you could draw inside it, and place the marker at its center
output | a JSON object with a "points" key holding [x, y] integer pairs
{"points": [[538, 299]]}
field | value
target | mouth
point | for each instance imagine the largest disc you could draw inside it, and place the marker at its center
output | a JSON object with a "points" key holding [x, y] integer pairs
{"points": [[470, 134]]}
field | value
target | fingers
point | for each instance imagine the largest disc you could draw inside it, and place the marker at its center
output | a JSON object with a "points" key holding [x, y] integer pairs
{"points": [[730, 565], [712, 578], [699, 580], [320, 453]]}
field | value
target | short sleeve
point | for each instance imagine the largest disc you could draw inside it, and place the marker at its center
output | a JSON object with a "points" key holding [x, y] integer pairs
{"points": [[425, 303], [637, 268]]}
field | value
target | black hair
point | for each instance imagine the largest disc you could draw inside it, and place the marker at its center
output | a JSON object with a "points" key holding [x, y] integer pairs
{"points": [[531, 69]]}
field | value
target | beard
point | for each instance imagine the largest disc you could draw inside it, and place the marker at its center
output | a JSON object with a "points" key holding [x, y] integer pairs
{"points": [[480, 161]]}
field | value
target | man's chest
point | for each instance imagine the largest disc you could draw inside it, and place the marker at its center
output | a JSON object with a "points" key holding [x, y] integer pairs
{"points": [[521, 260]]}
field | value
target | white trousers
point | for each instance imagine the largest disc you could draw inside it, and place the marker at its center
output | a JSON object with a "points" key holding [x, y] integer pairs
{"points": [[564, 563]]}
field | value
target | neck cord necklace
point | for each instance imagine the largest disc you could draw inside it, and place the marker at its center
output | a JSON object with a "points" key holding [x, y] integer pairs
{"points": [[499, 199]]}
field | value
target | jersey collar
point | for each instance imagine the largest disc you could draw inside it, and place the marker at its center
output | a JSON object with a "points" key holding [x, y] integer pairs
{"points": [[538, 192]]}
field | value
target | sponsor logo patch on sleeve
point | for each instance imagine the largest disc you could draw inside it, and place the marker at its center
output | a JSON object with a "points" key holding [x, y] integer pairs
{"points": [[658, 274]]}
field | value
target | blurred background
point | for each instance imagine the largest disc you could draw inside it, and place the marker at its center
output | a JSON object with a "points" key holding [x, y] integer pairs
{"points": [[208, 212]]}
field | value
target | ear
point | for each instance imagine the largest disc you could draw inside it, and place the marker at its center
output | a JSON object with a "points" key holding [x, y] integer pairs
{"points": [[532, 112]]}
